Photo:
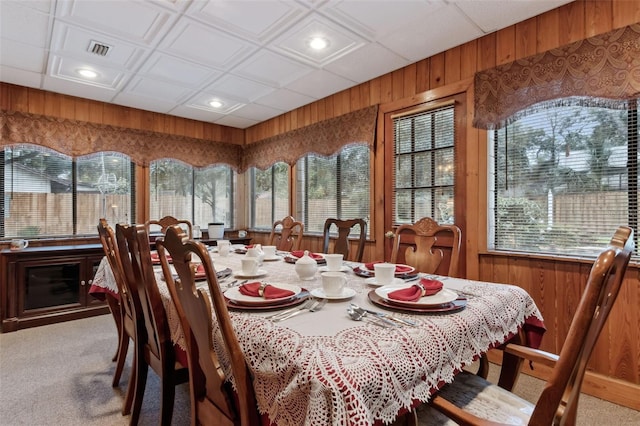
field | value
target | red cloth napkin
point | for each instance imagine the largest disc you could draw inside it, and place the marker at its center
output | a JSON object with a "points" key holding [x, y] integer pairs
{"points": [[426, 287], [155, 257], [270, 292], [400, 269], [249, 246], [300, 253]]}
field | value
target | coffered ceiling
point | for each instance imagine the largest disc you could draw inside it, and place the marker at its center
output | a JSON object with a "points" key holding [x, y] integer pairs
{"points": [[176, 56]]}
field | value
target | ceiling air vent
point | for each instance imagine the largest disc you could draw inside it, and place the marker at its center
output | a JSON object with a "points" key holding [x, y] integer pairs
{"points": [[99, 48]]}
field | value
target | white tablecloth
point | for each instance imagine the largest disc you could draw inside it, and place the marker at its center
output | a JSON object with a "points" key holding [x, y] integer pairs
{"points": [[323, 368]]}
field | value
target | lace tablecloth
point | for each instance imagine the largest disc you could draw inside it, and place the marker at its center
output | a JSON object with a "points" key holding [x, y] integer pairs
{"points": [[323, 368]]}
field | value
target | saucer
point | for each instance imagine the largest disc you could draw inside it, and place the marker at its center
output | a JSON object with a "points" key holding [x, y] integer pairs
{"points": [[260, 273], [343, 268], [347, 293], [270, 259], [395, 282]]}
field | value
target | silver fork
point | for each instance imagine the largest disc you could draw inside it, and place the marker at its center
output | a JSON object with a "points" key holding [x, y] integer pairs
{"points": [[305, 305], [312, 308]]}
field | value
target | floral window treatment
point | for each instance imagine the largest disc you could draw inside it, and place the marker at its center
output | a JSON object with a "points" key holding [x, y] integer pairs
{"points": [[606, 66], [77, 138], [325, 138]]}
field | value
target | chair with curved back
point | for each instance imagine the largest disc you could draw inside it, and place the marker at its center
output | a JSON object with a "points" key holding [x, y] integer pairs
{"points": [[286, 234], [121, 308], [167, 221], [153, 347], [471, 400], [212, 398], [428, 247], [342, 244]]}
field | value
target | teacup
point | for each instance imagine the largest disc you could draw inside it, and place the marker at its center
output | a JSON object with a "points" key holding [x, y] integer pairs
{"points": [[224, 247], [334, 261], [333, 283], [250, 266], [256, 251], [384, 272], [269, 251], [19, 244]]}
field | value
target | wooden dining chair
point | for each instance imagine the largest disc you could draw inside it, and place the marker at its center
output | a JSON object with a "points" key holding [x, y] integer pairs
{"points": [[471, 400], [342, 244], [212, 398], [286, 234], [153, 345], [122, 310], [428, 247], [164, 222]]}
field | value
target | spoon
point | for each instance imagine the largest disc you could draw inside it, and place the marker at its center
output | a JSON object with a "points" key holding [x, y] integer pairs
{"points": [[357, 315]]}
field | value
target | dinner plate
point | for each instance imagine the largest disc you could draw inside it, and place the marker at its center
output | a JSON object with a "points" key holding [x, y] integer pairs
{"points": [[401, 269], [238, 298], [446, 308], [272, 258], [343, 268], [395, 283], [260, 273], [347, 293], [301, 297], [442, 297]]}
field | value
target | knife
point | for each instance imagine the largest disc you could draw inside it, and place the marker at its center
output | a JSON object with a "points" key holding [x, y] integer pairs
{"points": [[388, 317]]}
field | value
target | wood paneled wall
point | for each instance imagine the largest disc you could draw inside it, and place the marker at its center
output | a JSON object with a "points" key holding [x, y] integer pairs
{"points": [[555, 284]]}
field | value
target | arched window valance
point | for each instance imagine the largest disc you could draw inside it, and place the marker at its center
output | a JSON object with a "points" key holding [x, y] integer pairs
{"points": [[76, 138], [325, 138], [606, 66]]}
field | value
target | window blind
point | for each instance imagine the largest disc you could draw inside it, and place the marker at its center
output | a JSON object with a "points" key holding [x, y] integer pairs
{"points": [[269, 195]]}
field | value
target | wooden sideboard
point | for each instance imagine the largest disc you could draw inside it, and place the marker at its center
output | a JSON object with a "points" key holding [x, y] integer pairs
{"points": [[44, 285]]}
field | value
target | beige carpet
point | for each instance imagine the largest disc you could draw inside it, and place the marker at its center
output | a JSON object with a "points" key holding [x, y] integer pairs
{"points": [[61, 374]]}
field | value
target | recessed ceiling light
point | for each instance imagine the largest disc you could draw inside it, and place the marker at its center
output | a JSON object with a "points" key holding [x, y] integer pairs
{"points": [[215, 103], [87, 73], [318, 43]]}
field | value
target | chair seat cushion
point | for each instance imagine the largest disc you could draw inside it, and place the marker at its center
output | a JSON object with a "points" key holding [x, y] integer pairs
{"points": [[486, 400]]}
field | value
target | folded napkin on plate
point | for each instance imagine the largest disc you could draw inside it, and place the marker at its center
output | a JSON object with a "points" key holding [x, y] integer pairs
{"points": [[268, 291], [400, 269], [300, 253], [425, 287], [155, 257]]}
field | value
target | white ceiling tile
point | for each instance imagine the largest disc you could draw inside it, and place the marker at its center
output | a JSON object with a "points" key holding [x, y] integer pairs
{"points": [[23, 24], [320, 83], [196, 113], [142, 102], [236, 121], [165, 67], [272, 69], [366, 63], [67, 68], [258, 20], [201, 101], [239, 88], [258, 112], [152, 88], [20, 76], [69, 87], [295, 42], [76, 41], [192, 40], [285, 100], [24, 56], [136, 21]]}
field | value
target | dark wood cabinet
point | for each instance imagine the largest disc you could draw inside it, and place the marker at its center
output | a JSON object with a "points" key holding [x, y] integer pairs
{"points": [[43, 285]]}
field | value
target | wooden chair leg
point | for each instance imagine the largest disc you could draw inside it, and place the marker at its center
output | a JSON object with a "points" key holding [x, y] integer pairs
{"points": [[139, 386], [168, 395], [483, 366], [123, 348], [116, 312]]}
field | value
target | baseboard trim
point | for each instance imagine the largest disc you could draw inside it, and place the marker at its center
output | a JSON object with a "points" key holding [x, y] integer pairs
{"points": [[604, 387]]}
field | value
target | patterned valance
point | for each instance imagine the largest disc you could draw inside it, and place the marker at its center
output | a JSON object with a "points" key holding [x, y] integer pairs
{"points": [[606, 66], [324, 138], [76, 138]]}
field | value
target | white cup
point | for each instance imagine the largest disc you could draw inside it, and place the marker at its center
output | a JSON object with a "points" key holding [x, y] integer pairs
{"points": [[19, 244], [224, 247], [334, 261], [333, 283], [269, 251], [384, 272], [249, 266]]}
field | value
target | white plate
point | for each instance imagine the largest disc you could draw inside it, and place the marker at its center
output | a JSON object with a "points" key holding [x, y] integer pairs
{"points": [[408, 269], [440, 298], [260, 273], [346, 294], [396, 282], [343, 268], [269, 259], [234, 294]]}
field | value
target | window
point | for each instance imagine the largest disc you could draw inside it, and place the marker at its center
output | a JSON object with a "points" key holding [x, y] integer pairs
{"points": [[200, 195], [423, 183], [269, 195], [335, 187], [565, 177], [48, 194]]}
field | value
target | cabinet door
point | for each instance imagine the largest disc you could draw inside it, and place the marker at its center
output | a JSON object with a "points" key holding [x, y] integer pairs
{"points": [[50, 284]]}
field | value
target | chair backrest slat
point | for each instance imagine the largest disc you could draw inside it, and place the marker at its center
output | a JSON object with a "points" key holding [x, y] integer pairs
{"points": [[342, 244], [286, 234]]}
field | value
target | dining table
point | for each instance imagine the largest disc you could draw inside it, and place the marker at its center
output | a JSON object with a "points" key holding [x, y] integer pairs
{"points": [[323, 367]]}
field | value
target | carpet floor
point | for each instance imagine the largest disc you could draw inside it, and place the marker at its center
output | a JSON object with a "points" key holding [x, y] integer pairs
{"points": [[61, 374]]}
